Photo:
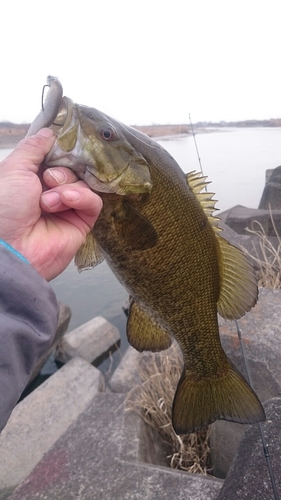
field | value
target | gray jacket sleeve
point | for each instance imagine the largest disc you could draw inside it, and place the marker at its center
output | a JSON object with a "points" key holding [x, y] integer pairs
{"points": [[28, 320]]}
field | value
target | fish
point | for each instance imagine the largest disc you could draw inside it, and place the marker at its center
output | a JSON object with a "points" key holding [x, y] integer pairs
{"points": [[158, 233]]}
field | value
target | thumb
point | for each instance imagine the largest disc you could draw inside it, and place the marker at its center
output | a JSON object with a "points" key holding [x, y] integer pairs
{"points": [[31, 151]]}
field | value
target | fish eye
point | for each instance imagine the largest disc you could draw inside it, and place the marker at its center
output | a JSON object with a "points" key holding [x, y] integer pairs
{"points": [[107, 134]]}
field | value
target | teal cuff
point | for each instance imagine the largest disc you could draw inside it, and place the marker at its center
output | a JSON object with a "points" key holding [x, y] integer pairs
{"points": [[12, 250]]}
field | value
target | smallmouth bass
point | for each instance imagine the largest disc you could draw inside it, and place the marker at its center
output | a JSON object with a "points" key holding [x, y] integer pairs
{"points": [[157, 233]]}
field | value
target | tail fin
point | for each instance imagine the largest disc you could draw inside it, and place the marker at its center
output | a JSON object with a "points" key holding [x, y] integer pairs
{"points": [[198, 403]]}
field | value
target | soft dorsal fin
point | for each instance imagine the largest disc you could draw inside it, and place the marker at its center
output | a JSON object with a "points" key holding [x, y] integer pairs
{"points": [[238, 286]]}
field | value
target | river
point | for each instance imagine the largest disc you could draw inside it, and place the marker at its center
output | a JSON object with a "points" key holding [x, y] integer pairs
{"points": [[235, 160]]}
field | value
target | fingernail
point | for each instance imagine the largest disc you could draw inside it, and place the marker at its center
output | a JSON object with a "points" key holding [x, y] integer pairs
{"points": [[46, 132], [57, 175], [50, 198], [71, 195]]}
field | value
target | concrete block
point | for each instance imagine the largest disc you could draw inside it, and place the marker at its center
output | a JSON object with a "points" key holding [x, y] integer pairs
{"points": [[271, 196], [93, 461], [42, 417], [261, 332], [126, 374], [239, 218], [92, 341]]}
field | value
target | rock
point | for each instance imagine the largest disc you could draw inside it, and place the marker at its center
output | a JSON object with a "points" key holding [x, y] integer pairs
{"points": [[271, 196], [92, 341], [248, 476], [268, 173], [239, 218], [226, 436], [260, 327], [42, 417], [100, 458], [261, 334], [64, 317]]}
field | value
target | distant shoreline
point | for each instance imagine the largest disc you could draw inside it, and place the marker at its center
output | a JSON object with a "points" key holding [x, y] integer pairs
{"points": [[12, 133]]}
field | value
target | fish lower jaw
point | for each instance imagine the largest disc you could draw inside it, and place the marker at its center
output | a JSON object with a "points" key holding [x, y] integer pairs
{"points": [[114, 185], [98, 185]]}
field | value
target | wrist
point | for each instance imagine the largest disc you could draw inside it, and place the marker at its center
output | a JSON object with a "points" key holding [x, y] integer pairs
{"points": [[13, 250]]}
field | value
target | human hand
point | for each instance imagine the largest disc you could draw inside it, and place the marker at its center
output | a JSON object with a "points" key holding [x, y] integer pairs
{"points": [[46, 227]]}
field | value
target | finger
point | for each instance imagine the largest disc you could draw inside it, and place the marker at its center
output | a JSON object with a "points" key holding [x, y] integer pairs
{"points": [[31, 151], [86, 205], [53, 177], [77, 196]]}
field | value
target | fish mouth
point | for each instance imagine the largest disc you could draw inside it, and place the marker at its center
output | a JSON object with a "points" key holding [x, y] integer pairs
{"points": [[115, 185], [90, 174]]}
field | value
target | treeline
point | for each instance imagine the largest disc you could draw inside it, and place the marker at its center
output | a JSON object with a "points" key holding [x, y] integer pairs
{"points": [[272, 122]]}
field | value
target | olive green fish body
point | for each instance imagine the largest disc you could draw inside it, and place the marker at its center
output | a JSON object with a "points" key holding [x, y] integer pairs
{"points": [[157, 233], [172, 280]]}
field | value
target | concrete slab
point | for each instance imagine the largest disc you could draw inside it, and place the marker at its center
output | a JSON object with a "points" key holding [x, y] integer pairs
{"points": [[93, 461], [42, 417], [248, 477], [226, 436], [91, 341], [261, 331]]}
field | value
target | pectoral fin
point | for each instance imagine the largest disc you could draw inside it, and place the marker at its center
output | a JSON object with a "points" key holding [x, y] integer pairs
{"points": [[143, 333], [136, 231], [238, 285], [89, 254]]}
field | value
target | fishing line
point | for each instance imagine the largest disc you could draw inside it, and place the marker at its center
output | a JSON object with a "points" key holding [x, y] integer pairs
{"points": [[241, 341], [197, 151]]}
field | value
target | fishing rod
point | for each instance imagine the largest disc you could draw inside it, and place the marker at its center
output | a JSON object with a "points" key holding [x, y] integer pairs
{"points": [[242, 347]]}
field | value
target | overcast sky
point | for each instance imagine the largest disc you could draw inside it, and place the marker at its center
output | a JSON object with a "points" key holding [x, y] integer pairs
{"points": [[144, 61]]}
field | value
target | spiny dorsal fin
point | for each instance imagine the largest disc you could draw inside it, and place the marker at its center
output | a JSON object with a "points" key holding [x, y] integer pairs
{"points": [[197, 182]]}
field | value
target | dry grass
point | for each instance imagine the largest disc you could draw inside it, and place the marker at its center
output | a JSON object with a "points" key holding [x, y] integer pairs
{"points": [[266, 257], [153, 398]]}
